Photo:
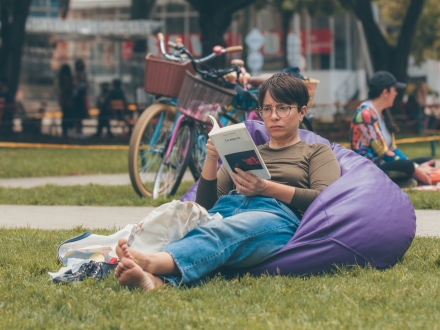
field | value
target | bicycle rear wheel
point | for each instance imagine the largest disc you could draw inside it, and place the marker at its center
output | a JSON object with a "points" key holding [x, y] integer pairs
{"points": [[174, 164], [147, 146]]}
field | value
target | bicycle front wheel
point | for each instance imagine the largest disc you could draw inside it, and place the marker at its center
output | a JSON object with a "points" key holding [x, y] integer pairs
{"points": [[147, 146], [174, 163]]}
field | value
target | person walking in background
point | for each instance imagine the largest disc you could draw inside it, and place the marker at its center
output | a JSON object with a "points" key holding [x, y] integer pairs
{"points": [[415, 106], [66, 88], [7, 108], [116, 100], [104, 111], [80, 100], [372, 137]]}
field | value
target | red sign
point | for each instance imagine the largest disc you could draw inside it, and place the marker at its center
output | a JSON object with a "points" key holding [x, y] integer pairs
{"points": [[127, 50], [321, 41]]}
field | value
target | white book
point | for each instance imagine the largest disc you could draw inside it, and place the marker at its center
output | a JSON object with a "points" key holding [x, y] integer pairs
{"points": [[237, 149]]}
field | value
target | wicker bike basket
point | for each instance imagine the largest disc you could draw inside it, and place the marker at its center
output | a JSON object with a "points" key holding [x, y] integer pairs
{"points": [[199, 98], [311, 86], [164, 77]]}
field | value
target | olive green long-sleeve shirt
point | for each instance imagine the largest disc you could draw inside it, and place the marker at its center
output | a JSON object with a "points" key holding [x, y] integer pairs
{"points": [[310, 168]]}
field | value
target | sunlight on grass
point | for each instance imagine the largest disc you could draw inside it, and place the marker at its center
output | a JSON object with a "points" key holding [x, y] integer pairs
{"points": [[415, 150], [95, 195], [403, 297], [16, 163]]}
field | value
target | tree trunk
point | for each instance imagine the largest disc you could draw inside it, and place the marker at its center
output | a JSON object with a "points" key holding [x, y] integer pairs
{"points": [[213, 27], [64, 8], [286, 18], [401, 53], [13, 20], [214, 19], [383, 55], [141, 9]]}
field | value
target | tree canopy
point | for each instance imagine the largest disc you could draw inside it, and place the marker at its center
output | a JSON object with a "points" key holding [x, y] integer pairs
{"points": [[215, 17], [426, 42], [385, 55]]}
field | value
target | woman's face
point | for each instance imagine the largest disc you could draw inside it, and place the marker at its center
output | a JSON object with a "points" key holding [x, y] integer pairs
{"points": [[286, 127]]}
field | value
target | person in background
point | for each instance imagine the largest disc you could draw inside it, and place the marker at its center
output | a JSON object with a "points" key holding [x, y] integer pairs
{"points": [[7, 108], [66, 88], [116, 100], [415, 106], [371, 135], [80, 100], [104, 111]]}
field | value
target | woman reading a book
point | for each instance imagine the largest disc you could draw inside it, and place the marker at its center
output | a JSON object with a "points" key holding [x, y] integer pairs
{"points": [[259, 216]]}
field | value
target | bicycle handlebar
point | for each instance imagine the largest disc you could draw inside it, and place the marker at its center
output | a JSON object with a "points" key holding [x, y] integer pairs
{"points": [[233, 49], [218, 50]]}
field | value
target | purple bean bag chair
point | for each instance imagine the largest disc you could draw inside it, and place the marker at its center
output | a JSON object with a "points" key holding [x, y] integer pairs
{"points": [[362, 218]]}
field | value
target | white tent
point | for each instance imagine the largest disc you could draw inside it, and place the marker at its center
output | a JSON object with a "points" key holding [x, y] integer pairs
{"points": [[43, 25]]}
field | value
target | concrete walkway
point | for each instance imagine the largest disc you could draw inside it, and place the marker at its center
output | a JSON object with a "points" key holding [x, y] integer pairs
{"points": [[82, 180], [113, 217]]}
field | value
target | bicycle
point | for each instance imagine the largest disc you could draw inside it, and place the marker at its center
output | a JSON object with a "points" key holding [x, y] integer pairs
{"points": [[152, 134], [185, 133]]}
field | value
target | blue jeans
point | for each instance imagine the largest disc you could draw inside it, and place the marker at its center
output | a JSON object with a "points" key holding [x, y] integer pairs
{"points": [[252, 229]]}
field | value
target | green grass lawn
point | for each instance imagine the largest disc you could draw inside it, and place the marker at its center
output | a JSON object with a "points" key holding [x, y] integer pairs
{"points": [[95, 195], [423, 149], [17, 163], [403, 297]]}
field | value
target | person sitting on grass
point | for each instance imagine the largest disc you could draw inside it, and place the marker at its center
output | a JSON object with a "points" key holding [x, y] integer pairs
{"points": [[259, 216], [371, 135]]}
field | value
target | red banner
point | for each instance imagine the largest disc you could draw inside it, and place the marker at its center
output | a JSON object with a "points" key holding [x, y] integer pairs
{"points": [[321, 41]]}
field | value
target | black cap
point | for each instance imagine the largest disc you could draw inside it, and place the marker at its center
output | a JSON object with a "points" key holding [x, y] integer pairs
{"points": [[384, 79]]}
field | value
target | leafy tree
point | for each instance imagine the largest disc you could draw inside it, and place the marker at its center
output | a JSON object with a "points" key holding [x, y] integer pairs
{"points": [[287, 8], [426, 42], [215, 16], [13, 16], [386, 54]]}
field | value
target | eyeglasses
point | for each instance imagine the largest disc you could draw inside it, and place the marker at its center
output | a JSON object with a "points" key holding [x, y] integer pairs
{"points": [[281, 111]]}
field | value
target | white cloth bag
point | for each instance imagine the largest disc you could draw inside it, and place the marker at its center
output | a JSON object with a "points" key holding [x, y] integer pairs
{"points": [[168, 223]]}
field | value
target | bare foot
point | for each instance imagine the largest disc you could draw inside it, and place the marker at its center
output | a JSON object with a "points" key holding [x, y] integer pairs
{"points": [[119, 252], [132, 275], [142, 259]]}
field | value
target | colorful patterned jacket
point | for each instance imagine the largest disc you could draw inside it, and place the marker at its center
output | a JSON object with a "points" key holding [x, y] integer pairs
{"points": [[366, 138]]}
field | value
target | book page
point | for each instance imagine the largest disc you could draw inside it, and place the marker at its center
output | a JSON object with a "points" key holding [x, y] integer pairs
{"points": [[237, 149]]}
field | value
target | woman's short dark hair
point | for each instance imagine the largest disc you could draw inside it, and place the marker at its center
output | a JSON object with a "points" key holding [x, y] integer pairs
{"points": [[285, 88]]}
